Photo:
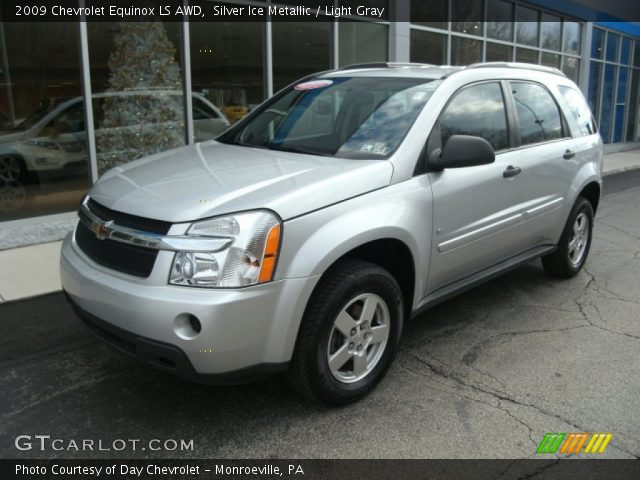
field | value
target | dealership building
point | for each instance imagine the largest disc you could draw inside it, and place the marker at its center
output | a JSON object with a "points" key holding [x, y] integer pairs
{"points": [[78, 98]]}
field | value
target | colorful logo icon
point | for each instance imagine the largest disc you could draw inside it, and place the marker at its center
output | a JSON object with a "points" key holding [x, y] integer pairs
{"points": [[573, 442]]}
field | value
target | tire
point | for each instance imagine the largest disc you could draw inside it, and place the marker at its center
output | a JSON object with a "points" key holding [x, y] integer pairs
{"points": [[12, 168], [336, 325], [569, 258]]}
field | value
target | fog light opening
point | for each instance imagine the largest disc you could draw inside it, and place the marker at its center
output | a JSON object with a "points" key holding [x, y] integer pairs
{"points": [[187, 326]]}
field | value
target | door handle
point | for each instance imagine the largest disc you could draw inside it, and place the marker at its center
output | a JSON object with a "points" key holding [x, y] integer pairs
{"points": [[568, 154], [511, 171]]}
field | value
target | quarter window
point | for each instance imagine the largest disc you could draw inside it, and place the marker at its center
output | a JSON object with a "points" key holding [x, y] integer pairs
{"points": [[538, 115], [579, 109], [479, 111]]}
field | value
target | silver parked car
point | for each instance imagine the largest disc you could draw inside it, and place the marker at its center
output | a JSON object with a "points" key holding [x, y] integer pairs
{"points": [[302, 238]]}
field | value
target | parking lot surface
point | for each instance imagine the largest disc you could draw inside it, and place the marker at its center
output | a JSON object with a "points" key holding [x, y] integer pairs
{"points": [[484, 375]]}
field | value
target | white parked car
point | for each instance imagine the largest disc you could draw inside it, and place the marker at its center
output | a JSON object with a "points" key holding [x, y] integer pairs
{"points": [[53, 140]]}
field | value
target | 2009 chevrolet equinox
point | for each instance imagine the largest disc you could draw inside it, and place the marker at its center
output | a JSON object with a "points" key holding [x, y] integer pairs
{"points": [[304, 236]]}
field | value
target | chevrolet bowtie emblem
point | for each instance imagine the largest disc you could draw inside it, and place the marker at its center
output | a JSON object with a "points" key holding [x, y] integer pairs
{"points": [[102, 229]]}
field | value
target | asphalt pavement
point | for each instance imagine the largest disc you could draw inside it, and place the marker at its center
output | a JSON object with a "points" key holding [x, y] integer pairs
{"points": [[484, 375]]}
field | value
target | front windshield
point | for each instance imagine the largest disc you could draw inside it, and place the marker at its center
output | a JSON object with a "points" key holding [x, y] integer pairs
{"points": [[346, 117]]}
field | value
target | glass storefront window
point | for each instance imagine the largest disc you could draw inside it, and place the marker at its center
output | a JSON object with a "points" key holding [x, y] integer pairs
{"points": [[550, 29], [226, 71], [136, 80], [467, 15], [634, 100], [595, 70], [571, 68], [362, 42], [44, 167], [597, 43], [636, 54], [526, 55], [527, 26], [465, 51], [625, 51], [299, 49], [432, 14], [550, 59], [428, 47], [497, 52], [606, 112], [612, 46], [500, 16], [572, 34]]}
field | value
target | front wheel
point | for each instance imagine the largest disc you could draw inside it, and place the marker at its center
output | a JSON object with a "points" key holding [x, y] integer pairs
{"points": [[349, 334], [574, 244]]}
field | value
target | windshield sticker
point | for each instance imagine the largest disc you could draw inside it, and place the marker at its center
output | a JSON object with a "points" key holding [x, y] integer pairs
{"points": [[378, 148], [312, 85]]}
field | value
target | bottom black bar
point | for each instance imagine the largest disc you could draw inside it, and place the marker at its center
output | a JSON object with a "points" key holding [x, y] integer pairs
{"points": [[319, 469]]}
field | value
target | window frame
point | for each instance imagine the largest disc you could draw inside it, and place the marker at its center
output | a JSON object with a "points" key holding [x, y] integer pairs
{"points": [[566, 131]]}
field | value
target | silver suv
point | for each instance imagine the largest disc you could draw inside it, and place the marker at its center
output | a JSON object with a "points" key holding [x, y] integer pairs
{"points": [[305, 236]]}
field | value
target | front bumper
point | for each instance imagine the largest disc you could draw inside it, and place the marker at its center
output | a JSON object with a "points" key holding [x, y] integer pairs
{"points": [[245, 332]]}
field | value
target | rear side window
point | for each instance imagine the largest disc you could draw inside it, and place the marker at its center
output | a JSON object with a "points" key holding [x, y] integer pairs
{"points": [[477, 110], [538, 114], [579, 109]]}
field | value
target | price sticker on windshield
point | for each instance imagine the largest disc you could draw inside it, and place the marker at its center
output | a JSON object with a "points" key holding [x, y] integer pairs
{"points": [[312, 85]]}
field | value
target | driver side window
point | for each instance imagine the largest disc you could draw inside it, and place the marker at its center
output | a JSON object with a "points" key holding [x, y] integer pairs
{"points": [[479, 111]]}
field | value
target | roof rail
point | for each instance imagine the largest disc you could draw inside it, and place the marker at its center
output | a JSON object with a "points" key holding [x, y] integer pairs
{"points": [[527, 66], [384, 65]]}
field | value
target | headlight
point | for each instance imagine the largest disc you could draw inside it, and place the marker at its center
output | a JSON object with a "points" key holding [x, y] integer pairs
{"points": [[249, 260]]}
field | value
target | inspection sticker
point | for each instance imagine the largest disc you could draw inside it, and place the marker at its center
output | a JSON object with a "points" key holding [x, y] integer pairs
{"points": [[313, 84]]}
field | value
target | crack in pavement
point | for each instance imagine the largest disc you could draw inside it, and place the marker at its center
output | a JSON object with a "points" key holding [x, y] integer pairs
{"points": [[500, 396]]}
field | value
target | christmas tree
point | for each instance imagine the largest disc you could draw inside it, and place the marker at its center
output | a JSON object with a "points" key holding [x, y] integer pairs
{"points": [[144, 115]]}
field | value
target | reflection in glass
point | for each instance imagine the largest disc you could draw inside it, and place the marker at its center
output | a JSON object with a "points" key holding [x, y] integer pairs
{"points": [[468, 16], [579, 109], [465, 51], [526, 55], [137, 84], [550, 31], [595, 70], [428, 47], [634, 100], [346, 117], [477, 111], [527, 26], [362, 42], [597, 43], [497, 52], [299, 49], [625, 51], [550, 59], [538, 115], [613, 40], [226, 71], [432, 14], [572, 34], [44, 166], [606, 114], [571, 68], [500, 16]]}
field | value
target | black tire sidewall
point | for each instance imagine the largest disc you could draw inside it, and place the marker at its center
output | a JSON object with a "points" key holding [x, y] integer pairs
{"points": [[370, 279], [582, 206]]}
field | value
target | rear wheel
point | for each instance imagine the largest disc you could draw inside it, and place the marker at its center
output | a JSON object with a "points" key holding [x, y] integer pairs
{"points": [[574, 244], [349, 334], [11, 168]]}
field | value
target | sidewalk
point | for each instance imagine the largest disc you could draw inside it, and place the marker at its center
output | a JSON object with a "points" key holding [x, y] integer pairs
{"points": [[33, 270]]}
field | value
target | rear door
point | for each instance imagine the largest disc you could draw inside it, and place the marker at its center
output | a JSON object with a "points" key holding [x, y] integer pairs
{"points": [[547, 158]]}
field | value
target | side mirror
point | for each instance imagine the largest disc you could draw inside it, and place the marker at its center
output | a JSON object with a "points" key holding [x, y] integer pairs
{"points": [[462, 151]]}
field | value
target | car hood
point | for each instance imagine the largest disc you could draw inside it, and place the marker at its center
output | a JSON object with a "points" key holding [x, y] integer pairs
{"points": [[212, 178]]}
